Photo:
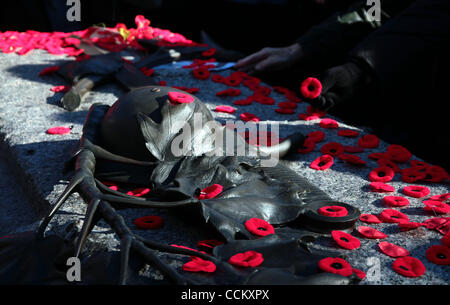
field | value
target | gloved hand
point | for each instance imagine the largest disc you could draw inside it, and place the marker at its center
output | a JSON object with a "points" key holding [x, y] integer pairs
{"points": [[340, 84]]}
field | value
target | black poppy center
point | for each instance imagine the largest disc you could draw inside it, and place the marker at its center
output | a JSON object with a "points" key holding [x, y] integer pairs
{"points": [[396, 217], [311, 87], [336, 265], [381, 174], [404, 268], [441, 256], [333, 150], [149, 221], [345, 239], [322, 163], [428, 176], [262, 229]]}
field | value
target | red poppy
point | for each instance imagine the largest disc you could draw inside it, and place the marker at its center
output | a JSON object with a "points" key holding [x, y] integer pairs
{"points": [[209, 52], [232, 81], [345, 240], [335, 265], [314, 111], [217, 78], [252, 83], [59, 130], [308, 117], [435, 222], [416, 191], [247, 116], [199, 265], [435, 174], [393, 216], [180, 98], [369, 141], [289, 105], [209, 243], [225, 108], [359, 273], [333, 211], [201, 73], [149, 222], [229, 92], [446, 239], [316, 136], [352, 159], [388, 163], [329, 124], [408, 266], [62, 88], [444, 228], [398, 153], [244, 102], [417, 163], [353, 149], [441, 197], [436, 207], [322, 163], [308, 146], [262, 90], [395, 201], [369, 232], [246, 259], [412, 174], [262, 99], [139, 192], [381, 174], [369, 218], [380, 187], [210, 192], [349, 133], [259, 227], [162, 83], [439, 255], [392, 250], [311, 88], [377, 156], [147, 71], [49, 70], [406, 226], [332, 148], [284, 111]]}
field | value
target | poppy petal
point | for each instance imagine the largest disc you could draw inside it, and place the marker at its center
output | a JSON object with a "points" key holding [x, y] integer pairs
{"points": [[393, 216], [408, 266], [380, 187], [369, 218], [371, 233], [345, 240], [392, 250]]}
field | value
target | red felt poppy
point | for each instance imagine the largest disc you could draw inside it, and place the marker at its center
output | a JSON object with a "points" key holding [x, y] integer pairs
{"points": [[377, 156], [392, 250], [244, 102], [352, 159], [284, 111], [262, 99], [308, 146], [352, 149], [335, 265], [59, 130], [369, 218], [322, 163], [407, 226], [259, 227], [252, 83], [199, 265], [225, 108], [408, 266], [308, 117], [49, 70], [393, 216], [329, 124], [209, 243], [435, 222], [398, 153], [381, 174], [248, 117], [389, 163], [229, 92], [289, 105], [371, 233], [444, 228], [333, 211], [147, 71], [441, 197], [435, 174], [417, 163], [446, 240], [416, 191], [247, 259], [217, 78], [436, 207], [201, 73], [139, 192], [439, 255], [380, 187], [314, 111], [62, 88], [262, 90], [369, 141], [345, 240], [332, 148], [316, 136], [149, 222], [359, 273], [311, 88], [210, 192], [209, 52], [395, 201], [180, 98], [412, 174], [349, 133], [232, 81]]}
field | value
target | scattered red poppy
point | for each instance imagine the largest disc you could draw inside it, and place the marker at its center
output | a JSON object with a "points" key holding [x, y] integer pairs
{"points": [[369, 232], [353, 149], [262, 99], [417, 163], [210, 192], [369, 218], [49, 70], [435, 222], [259, 227], [62, 88], [311, 88], [408, 266], [446, 240], [244, 102], [369, 141], [217, 78], [349, 133], [332, 148], [149, 222], [392, 250], [201, 73], [308, 146], [359, 273], [225, 108], [398, 153], [439, 255], [284, 110], [262, 90], [59, 130], [247, 259], [381, 174], [139, 192], [199, 265], [322, 163], [180, 98], [329, 124], [435, 174], [232, 80], [395, 201], [335, 265], [388, 163], [308, 117], [252, 83], [229, 92], [289, 105], [352, 159], [345, 240], [316, 112], [411, 174], [247, 117], [316, 136], [441, 197], [333, 211], [209, 52], [444, 228], [407, 226], [380, 187], [416, 191], [436, 207], [377, 156], [393, 216], [209, 243]]}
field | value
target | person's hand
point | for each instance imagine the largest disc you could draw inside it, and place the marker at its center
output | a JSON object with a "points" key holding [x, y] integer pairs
{"points": [[270, 59]]}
